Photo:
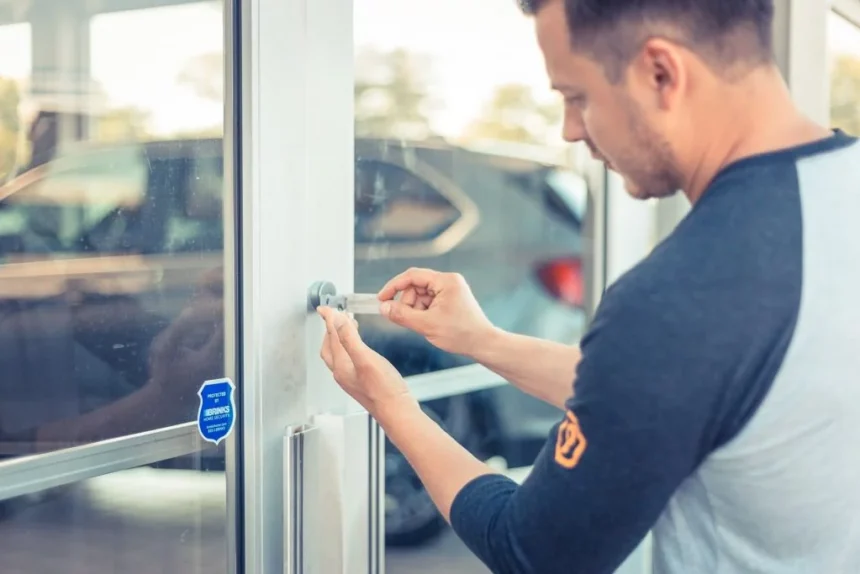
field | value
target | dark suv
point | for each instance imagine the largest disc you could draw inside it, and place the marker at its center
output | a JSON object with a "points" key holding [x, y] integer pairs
{"points": [[131, 229]]}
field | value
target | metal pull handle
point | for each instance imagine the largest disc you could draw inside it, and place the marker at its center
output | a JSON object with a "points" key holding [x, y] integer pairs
{"points": [[293, 497]]}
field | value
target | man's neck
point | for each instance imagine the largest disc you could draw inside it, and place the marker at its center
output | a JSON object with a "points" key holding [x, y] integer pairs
{"points": [[756, 117]]}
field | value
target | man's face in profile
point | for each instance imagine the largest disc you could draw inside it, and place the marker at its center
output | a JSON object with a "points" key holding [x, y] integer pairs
{"points": [[608, 116]]}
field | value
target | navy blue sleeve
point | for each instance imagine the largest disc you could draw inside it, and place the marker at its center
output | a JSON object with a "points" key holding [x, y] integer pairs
{"points": [[629, 437], [666, 377]]}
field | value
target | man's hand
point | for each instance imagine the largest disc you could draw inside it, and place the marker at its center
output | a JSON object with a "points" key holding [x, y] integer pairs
{"points": [[189, 352], [439, 306], [443, 465], [359, 370]]}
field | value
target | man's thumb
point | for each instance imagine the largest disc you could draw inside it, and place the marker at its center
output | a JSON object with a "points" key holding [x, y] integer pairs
{"points": [[348, 335], [402, 315]]}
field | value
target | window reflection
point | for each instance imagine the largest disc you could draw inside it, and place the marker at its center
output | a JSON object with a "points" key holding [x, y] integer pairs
{"points": [[139, 521], [460, 167], [844, 48], [111, 219]]}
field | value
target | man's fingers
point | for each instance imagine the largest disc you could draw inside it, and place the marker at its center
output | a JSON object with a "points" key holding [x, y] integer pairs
{"points": [[334, 321], [423, 302], [413, 278], [208, 361], [214, 347], [325, 351], [410, 296], [403, 315], [189, 331], [325, 348], [417, 298], [347, 333], [195, 324], [344, 341], [211, 283]]}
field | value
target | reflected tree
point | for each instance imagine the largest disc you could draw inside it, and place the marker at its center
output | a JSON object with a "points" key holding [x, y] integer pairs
{"points": [[514, 114], [10, 126], [845, 94], [391, 95], [204, 74], [121, 124]]}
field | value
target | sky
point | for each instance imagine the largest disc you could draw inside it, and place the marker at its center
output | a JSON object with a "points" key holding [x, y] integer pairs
{"points": [[843, 36], [474, 45], [473, 59]]}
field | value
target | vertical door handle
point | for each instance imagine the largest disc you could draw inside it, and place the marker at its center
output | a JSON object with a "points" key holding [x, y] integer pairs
{"points": [[293, 497]]}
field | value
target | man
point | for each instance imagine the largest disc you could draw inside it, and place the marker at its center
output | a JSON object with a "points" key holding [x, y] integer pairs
{"points": [[717, 393]]}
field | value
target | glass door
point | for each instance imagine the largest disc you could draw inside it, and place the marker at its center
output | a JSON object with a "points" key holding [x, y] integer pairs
{"points": [[117, 266], [175, 175]]}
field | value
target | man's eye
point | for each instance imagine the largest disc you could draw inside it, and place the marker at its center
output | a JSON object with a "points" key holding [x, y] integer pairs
{"points": [[575, 100]]}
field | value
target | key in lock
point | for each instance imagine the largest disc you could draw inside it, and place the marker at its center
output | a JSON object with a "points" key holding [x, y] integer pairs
{"points": [[324, 294]]}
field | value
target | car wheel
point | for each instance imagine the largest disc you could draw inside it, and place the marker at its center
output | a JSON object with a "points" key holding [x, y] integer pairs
{"points": [[411, 518]]}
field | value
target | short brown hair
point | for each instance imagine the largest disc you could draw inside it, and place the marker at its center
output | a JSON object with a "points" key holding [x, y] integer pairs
{"points": [[722, 31]]}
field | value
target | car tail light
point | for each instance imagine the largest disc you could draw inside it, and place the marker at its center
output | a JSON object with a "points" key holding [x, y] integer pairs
{"points": [[563, 279]]}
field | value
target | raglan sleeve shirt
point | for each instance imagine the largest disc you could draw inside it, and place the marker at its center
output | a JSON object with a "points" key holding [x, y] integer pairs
{"points": [[653, 397]]}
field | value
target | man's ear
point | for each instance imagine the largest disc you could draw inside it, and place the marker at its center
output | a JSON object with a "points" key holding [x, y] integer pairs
{"points": [[659, 70]]}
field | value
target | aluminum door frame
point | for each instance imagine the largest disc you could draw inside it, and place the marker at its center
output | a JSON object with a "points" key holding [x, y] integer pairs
{"points": [[295, 65]]}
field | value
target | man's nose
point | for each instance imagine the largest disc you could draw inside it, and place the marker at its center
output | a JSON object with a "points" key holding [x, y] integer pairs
{"points": [[574, 129]]}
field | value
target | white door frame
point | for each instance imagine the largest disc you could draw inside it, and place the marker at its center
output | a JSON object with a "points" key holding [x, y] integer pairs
{"points": [[296, 135]]}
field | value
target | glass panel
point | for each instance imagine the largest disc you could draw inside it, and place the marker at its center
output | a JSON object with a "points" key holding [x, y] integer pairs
{"points": [[169, 518], [844, 51], [460, 167], [111, 231]]}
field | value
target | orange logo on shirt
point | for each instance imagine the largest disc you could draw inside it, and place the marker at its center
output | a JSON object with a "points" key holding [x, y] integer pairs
{"points": [[570, 443]]}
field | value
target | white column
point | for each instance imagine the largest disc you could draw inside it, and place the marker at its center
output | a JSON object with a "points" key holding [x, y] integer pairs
{"points": [[60, 45], [631, 228], [806, 66]]}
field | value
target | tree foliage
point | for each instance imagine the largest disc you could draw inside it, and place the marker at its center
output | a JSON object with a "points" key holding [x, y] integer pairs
{"points": [[10, 125], [391, 96], [513, 114], [204, 74], [845, 94], [121, 124]]}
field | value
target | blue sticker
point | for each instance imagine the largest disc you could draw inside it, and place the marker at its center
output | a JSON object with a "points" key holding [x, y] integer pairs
{"points": [[217, 412]]}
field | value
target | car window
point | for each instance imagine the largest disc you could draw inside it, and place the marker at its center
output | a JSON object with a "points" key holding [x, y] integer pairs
{"points": [[76, 203], [571, 190], [194, 223], [562, 192], [394, 206]]}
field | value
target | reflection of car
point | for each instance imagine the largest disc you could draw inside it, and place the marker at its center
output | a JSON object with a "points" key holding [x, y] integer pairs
{"points": [[123, 233], [512, 227]]}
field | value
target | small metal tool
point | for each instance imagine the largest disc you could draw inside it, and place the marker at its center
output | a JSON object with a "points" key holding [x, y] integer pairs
{"points": [[324, 294]]}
